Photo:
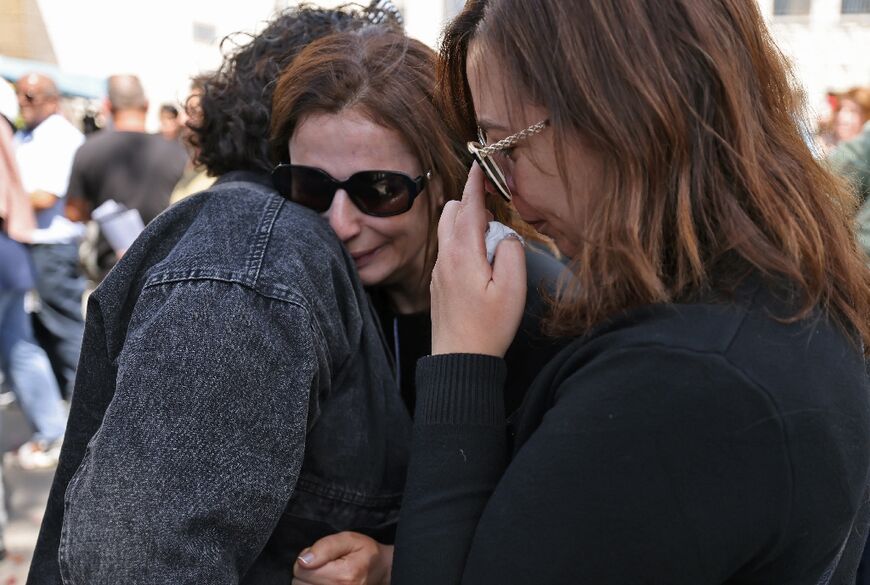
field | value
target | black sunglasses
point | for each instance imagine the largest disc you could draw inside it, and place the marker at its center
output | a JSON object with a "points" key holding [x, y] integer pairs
{"points": [[378, 193]]}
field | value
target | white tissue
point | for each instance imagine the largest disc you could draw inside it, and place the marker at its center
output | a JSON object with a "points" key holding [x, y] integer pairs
{"points": [[495, 233]]}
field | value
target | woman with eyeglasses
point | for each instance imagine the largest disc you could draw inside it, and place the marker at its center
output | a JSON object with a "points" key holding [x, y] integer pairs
{"points": [[355, 124], [710, 421]]}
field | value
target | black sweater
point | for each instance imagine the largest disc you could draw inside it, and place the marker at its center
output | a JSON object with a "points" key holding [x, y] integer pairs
{"points": [[679, 444]]}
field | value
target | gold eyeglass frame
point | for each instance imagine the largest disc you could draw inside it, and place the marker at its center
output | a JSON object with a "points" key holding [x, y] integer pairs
{"points": [[483, 155]]}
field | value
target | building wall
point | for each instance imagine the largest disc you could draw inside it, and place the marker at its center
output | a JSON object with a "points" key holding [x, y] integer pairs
{"points": [[22, 31]]}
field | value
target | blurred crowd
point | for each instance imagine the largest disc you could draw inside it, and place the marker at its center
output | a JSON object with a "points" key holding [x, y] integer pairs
{"points": [[844, 136]]}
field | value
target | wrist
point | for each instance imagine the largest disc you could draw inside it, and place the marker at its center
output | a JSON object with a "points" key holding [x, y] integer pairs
{"points": [[467, 346], [385, 557]]}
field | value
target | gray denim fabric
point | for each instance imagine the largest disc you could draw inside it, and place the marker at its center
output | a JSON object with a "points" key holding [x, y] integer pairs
{"points": [[234, 400]]}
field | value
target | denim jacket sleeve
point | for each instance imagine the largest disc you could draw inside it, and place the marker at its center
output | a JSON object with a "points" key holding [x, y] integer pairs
{"points": [[202, 443]]}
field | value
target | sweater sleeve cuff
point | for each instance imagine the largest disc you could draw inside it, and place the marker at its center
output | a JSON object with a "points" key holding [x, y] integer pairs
{"points": [[460, 389]]}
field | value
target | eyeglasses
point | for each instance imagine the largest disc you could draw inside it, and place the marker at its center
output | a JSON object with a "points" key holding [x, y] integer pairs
{"points": [[493, 158], [31, 98], [378, 193]]}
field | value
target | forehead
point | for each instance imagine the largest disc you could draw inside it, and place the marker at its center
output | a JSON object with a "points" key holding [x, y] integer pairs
{"points": [[347, 142], [500, 106], [487, 89]]}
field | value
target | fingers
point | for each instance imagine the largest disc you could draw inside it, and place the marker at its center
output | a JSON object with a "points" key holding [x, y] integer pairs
{"points": [[447, 221], [474, 192], [473, 215], [327, 549], [463, 223]]}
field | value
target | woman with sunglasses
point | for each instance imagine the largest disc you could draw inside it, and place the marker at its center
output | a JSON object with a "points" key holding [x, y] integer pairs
{"points": [[362, 142], [709, 423], [235, 401]]}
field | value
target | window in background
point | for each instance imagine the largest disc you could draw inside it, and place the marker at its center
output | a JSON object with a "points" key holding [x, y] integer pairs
{"points": [[856, 7], [792, 7]]}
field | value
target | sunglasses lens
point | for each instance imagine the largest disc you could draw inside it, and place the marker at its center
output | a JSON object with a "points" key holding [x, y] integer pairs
{"points": [[308, 187], [382, 193]]}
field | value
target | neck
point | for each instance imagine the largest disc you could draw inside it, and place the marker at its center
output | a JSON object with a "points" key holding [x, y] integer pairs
{"points": [[409, 293], [129, 120], [407, 300]]}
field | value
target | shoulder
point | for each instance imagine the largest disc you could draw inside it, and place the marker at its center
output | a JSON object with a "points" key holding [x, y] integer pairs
{"points": [[746, 344], [218, 240], [166, 148], [59, 128], [238, 230], [97, 145]]}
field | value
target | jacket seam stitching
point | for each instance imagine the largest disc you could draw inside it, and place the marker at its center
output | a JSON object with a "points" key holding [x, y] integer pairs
{"points": [[261, 241], [297, 298]]}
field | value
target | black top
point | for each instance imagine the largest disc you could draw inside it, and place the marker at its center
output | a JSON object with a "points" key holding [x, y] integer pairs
{"points": [[136, 169], [528, 353], [701, 443]]}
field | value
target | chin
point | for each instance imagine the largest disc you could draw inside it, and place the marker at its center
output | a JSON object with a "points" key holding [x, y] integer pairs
{"points": [[371, 276]]}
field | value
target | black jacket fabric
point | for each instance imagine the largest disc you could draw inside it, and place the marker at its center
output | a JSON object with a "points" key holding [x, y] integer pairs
{"points": [[700, 444]]}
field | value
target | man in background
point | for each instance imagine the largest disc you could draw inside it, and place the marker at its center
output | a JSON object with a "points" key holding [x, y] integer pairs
{"points": [[44, 151], [124, 163]]}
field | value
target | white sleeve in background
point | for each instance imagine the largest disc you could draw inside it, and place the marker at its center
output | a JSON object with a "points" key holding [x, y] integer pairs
{"points": [[45, 158]]}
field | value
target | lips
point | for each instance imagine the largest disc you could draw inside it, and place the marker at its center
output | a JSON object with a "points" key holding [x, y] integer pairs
{"points": [[365, 257]]}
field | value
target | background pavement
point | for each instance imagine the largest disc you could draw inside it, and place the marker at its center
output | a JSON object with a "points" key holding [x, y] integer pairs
{"points": [[26, 494]]}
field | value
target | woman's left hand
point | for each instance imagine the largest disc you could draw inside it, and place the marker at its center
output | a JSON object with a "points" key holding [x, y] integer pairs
{"points": [[346, 558], [476, 308]]}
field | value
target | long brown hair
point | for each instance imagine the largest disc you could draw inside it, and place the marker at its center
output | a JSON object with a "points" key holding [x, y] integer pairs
{"points": [[690, 106]]}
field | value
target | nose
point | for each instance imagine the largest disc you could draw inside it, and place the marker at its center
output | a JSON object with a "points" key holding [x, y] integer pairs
{"points": [[343, 216]]}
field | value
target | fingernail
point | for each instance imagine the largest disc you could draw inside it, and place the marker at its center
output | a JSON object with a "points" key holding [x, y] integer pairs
{"points": [[307, 557], [516, 237]]}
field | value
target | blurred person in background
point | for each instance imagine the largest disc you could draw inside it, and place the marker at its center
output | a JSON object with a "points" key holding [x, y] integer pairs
{"points": [[852, 114], [24, 363], [44, 150], [231, 329], [851, 159], [171, 122], [123, 163], [195, 177]]}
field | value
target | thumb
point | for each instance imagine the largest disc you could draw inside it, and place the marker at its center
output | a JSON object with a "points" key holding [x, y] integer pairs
{"points": [[327, 549]]}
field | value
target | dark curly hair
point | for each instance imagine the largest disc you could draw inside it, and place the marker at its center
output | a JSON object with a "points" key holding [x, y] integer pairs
{"points": [[231, 129]]}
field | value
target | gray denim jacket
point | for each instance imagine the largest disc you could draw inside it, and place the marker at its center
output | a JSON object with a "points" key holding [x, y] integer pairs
{"points": [[233, 403]]}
